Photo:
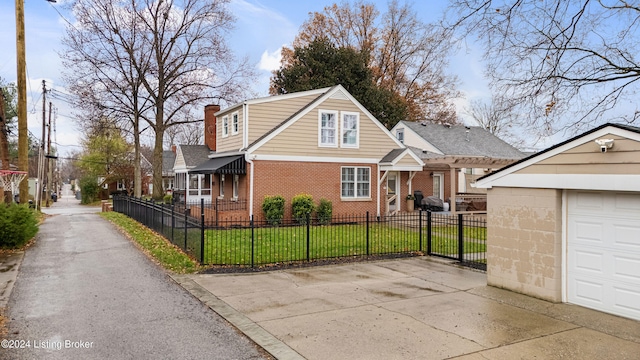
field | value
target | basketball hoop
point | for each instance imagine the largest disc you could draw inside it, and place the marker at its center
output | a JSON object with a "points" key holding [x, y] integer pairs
{"points": [[10, 180]]}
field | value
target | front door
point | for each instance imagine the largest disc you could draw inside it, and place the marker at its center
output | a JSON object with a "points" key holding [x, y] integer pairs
{"points": [[393, 182], [438, 186]]}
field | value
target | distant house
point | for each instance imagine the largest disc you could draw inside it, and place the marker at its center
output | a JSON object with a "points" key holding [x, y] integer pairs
{"points": [[168, 175], [454, 156], [124, 181], [191, 187], [320, 142]]}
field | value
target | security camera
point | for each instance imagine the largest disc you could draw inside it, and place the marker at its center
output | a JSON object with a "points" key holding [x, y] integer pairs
{"points": [[605, 144]]}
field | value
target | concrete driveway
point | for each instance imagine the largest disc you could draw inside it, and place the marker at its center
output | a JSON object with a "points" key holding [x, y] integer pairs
{"points": [[406, 309]]}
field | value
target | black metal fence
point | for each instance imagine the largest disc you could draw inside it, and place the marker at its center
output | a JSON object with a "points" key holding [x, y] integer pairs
{"points": [[250, 242]]}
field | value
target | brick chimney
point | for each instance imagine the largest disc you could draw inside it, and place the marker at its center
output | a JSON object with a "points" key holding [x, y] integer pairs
{"points": [[210, 126]]}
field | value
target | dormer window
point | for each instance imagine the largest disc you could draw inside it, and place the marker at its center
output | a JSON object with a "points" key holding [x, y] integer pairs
{"points": [[327, 128], [350, 124], [225, 126]]}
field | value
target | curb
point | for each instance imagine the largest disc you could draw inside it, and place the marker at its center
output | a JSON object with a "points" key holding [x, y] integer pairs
{"points": [[9, 267], [253, 331]]}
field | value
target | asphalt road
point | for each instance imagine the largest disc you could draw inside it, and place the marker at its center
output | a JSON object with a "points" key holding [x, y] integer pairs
{"points": [[85, 292]]}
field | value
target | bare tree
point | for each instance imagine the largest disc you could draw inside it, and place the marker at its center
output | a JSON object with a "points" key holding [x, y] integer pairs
{"points": [[565, 63], [173, 53], [186, 134], [407, 56], [497, 117]]}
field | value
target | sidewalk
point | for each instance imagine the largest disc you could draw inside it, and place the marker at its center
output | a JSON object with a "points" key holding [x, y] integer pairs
{"points": [[406, 309]]}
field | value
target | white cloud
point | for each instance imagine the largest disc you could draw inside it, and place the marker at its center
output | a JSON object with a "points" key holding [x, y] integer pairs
{"points": [[270, 61]]}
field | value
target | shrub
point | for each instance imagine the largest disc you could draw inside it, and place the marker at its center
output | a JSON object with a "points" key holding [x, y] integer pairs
{"points": [[325, 211], [18, 224], [302, 206], [89, 189], [273, 208], [168, 199]]}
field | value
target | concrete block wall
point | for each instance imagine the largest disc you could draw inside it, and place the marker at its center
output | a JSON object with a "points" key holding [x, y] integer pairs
{"points": [[524, 241]]}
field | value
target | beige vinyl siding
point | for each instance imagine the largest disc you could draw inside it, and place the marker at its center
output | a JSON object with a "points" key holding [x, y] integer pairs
{"points": [[233, 141], [263, 117], [179, 163], [407, 160], [587, 159], [301, 138]]}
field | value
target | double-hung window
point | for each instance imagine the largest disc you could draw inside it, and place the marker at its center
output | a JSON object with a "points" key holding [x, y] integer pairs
{"points": [[350, 121], [234, 123], [355, 182], [328, 128], [225, 126]]}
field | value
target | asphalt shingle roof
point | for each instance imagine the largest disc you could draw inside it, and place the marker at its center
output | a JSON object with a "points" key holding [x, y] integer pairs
{"points": [[168, 158], [458, 140], [195, 155]]}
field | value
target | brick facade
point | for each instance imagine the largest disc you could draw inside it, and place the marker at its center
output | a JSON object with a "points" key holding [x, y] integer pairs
{"points": [[320, 180]]}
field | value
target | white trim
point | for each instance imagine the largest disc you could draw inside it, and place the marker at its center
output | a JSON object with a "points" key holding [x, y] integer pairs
{"points": [[402, 168], [596, 182], [492, 179], [355, 184], [342, 129], [235, 115], [245, 125], [425, 145], [320, 100], [565, 244], [336, 129], [273, 98], [225, 129], [246, 158], [345, 160]]}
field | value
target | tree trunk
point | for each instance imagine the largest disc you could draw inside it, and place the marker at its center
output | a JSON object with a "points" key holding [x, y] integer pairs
{"points": [[137, 168]]}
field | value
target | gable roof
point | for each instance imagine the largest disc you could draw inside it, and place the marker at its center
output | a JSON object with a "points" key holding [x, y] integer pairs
{"points": [[486, 181], [194, 155], [460, 140], [168, 159], [324, 95]]}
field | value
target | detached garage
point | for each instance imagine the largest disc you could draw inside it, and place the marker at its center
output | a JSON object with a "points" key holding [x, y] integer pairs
{"points": [[564, 224]]}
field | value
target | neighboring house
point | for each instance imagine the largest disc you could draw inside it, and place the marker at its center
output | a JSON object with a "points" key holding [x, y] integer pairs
{"points": [[320, 142], [457, 152], [564, 224], [168, 175], [125, 184], [191, 187]]}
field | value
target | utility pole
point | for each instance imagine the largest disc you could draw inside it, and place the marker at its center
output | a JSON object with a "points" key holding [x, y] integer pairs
{"points": [[40, 186], [48, 161], [23, 134], [4, 146]]}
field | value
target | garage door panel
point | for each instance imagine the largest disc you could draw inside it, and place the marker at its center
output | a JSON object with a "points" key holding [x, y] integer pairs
{"points": [[626, 268], [588, 261], [626, 299], [603, 251]]}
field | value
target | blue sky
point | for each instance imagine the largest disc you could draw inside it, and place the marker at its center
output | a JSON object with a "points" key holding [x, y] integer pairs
{"points": [[262, 28]]}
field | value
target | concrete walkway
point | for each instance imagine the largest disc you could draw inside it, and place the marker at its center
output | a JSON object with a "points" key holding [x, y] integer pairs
{"points": [[406, 309]]}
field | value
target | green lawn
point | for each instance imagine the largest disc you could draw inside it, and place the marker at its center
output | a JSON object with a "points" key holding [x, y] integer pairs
{"points": [[285, 244]]}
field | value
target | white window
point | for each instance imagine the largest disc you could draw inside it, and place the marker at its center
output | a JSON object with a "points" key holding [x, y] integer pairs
{"points": [[225, 126], [221, 185], [194, 182], [236, 181], [234, 123], [355, 182], [121, 185], [400, 135], [327, 128], [350, 124]]}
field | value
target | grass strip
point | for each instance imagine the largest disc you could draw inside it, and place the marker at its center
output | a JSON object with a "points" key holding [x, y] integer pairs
{"points": [[157, 247]]}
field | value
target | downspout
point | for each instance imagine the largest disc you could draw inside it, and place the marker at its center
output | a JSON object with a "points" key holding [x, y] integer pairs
{"points": [[246, 157]]}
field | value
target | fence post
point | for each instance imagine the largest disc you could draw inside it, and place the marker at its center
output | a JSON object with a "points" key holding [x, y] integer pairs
{"points": [[420, 230], [429, 230], [186, 225], [216, 210], [201, 231], [367, 233], [173, 219], [460, 238], [252, 242], [308, 234]]}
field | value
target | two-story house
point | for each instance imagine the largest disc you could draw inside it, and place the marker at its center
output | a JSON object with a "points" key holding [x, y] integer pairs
{"points": [[320, 142]]}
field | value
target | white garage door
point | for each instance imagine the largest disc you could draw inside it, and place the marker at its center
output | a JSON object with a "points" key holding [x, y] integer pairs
{"points": [[603, 251]]}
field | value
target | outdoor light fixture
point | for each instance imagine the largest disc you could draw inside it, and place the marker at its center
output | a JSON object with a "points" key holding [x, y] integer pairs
{"points": [[605, 144]]}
